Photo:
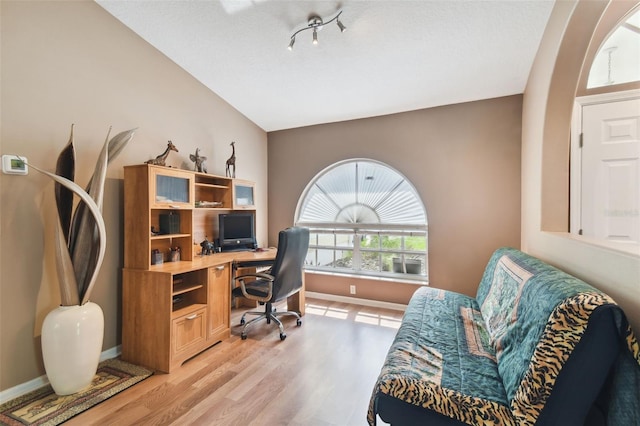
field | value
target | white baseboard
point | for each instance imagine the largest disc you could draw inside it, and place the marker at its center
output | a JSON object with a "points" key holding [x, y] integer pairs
{"points": [[31, 385], [356, 301]]}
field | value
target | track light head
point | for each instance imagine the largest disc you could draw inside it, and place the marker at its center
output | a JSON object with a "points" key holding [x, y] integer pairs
{"points": [[293, 40], [341, 25], [315, 36]]}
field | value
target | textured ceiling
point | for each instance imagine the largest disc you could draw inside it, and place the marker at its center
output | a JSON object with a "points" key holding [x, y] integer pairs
{"points": [[395, 56]]}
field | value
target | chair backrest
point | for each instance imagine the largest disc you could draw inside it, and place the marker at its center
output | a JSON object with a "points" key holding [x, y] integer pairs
{"points": [[293, 244]]}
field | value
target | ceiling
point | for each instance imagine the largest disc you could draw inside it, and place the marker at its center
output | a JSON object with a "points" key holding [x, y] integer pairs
{"points": [[395, 56]]}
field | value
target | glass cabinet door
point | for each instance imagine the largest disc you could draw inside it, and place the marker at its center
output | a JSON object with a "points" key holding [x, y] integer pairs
{"points": [[171, 188], [243, 195]]}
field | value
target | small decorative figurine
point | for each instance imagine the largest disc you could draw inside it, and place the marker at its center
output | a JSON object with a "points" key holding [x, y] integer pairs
{"points": [[231, 162], [199, 160], [207, 247], [159, 160]]}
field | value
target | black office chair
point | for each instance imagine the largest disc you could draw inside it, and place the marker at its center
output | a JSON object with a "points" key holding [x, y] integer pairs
{"points": [[281, 281]]}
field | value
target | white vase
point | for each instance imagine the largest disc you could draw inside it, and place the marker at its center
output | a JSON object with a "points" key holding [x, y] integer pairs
{"points": [[71, 346]]}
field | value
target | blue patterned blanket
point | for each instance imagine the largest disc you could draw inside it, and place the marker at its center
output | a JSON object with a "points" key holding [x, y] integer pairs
{"points": [[494, 359]]}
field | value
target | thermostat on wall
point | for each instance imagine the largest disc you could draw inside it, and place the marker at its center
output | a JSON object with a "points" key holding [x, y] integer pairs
{"points": [[14, 165]]}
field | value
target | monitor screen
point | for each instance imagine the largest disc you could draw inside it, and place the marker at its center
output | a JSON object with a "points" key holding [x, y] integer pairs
{"points": [[237, 231]]}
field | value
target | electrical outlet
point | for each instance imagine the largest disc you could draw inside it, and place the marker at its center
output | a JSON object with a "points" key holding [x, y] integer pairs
{"points": [[352, 289]]}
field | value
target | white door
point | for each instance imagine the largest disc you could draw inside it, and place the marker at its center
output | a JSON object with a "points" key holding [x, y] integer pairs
{"points": [[610, 190]]}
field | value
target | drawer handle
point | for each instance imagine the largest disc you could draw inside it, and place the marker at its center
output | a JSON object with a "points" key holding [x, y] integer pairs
{"points": [[220, 268], [192, 317]]}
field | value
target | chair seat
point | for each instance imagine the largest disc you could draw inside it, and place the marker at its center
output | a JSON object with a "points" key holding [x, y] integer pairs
{"points": [[258, 288]]}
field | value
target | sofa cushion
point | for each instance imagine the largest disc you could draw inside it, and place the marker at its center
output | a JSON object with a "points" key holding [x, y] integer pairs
{"points": [[441, 359], [517, 296]]}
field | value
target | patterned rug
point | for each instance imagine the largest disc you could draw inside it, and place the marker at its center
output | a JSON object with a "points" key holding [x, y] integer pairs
{"points": [[43, 407]]}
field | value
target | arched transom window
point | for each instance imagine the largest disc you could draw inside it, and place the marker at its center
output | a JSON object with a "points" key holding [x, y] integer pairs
{"points": [[365, 218]]}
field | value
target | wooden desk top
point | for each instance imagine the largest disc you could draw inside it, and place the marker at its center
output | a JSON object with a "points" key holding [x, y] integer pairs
{"points": [[201, 262]]}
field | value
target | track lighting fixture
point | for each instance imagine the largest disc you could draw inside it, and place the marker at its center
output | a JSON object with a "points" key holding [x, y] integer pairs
{"points": [[315, 23]]}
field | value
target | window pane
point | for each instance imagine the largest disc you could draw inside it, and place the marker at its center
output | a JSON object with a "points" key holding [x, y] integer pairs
{"points": [[344, 240], [408, 264], [370, 261], [310, 260], [415, 243], [325, 257], [371, 241], [391, 242], [344, 259], [313, 238], [326, 239]]}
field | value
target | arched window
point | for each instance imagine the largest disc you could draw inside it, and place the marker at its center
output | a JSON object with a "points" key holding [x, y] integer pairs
{"points": [[618, 59], [365, 218]]}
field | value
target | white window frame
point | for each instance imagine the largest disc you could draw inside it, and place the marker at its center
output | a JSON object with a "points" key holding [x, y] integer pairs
{"points": [[359, 230]]}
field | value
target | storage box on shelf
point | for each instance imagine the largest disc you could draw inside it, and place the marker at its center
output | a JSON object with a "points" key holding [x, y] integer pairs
{"points": [[173, 310]]}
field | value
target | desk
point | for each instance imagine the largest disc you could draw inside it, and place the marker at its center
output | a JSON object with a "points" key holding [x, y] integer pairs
{"points": [[173, 311], [294, 302], [215, 259]]}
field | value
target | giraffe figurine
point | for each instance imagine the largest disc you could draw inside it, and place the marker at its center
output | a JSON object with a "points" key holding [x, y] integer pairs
{"points": [[231, 162], [159, 160]]}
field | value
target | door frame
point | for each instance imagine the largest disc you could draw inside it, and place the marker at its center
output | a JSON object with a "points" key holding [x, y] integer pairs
{"points": [[575, 168]]}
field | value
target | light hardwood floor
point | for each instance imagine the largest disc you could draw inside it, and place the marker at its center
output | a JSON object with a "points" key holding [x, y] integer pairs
{"points": [[322, 374]]}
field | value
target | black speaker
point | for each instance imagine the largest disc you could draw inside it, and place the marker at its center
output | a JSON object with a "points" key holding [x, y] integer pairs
{"points": [[169, 223]]}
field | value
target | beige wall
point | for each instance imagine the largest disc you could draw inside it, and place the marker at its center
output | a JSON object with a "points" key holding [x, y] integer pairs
{"points": [[547, 108], [464, 161], [72, 62]]}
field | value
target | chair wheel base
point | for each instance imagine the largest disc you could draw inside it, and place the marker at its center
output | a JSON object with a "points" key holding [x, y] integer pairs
{"points": [[298, 322], [283, 336]]}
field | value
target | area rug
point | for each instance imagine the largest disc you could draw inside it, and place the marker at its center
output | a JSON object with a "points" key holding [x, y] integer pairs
{"points": [[43, 407]]}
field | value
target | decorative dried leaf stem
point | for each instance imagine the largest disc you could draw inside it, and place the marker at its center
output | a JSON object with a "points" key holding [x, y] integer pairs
{"points": [[65, 267], [65, 167], [81, 237]]}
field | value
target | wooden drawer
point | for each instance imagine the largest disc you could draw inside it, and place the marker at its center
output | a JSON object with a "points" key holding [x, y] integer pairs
{"points": [[188, 334]]}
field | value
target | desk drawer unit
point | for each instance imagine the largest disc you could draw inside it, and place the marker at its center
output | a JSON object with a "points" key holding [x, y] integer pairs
{"points": [[188, 333]]}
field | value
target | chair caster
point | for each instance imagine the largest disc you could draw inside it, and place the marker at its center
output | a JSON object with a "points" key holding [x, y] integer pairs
{"points": [[283, 336], [242, 321], [243, 336], [298, 322]]}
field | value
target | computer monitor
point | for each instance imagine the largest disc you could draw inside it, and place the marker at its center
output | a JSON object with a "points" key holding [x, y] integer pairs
{"points": [[237, 231]]}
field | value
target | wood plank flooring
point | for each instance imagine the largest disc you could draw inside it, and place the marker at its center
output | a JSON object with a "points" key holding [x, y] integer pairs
{"points": [[322, 374]]}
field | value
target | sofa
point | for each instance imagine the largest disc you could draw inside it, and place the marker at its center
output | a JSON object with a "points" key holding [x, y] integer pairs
{"points": [[535, 346]]}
